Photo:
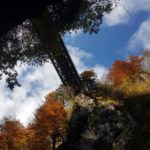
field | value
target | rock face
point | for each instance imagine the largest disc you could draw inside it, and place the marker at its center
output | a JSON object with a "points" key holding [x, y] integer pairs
{"points": [[95, 126]]}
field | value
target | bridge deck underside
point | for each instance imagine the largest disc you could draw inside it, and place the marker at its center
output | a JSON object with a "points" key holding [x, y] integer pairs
{"points": [[64, 66]]}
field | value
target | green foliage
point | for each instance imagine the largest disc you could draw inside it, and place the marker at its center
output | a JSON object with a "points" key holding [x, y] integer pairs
{"points": [[89, 81], [19, 45], [34, 40]]}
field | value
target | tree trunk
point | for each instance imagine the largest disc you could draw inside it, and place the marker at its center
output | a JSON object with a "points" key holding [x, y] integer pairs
{"points": [[54, 143]]}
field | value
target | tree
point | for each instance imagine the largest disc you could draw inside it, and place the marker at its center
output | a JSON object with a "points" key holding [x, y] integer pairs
{"points": [[63, 12], [125, 70], [50, 123], [65, 93], [13, 13], [11, 135], [34, 40], [89, 81]]}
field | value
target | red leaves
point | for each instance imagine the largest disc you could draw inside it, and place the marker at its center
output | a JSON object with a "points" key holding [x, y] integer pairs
{"points": [[124, 70]]}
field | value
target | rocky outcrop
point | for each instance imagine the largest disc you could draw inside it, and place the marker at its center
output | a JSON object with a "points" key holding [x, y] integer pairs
{"points": [[139, 107], [98, 125]]}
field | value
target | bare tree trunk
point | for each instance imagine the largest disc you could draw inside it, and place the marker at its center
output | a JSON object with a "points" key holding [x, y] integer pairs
{"points": [[54, 143]]}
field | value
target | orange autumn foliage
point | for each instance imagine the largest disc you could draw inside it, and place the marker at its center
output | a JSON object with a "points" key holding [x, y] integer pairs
{"points": [[50, 122], [12, 135], [125, 70], [30, 137]]}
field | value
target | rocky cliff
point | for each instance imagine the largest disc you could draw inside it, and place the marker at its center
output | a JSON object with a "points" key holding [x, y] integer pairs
{"points": [[99, 124]]}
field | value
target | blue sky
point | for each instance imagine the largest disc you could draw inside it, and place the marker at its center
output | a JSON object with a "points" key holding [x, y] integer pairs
{"points": [[111, 43], [124, 32]]}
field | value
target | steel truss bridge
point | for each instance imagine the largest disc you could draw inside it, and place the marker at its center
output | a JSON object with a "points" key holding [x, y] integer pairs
{"points": [[64, 66]]}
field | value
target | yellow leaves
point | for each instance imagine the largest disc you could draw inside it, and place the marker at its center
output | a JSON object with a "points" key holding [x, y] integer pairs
{"points": [[107, 102], [128, 89], [137, 88], [128, 77]]}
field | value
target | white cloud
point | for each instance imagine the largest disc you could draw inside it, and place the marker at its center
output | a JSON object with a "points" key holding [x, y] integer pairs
{"points": [[36, 83], [125, 10], [101, 72], [141, 38], [24, 100], [79, 57]]}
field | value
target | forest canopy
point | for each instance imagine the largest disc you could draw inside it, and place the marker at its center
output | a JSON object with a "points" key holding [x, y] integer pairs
{"points": [[31, 40]]}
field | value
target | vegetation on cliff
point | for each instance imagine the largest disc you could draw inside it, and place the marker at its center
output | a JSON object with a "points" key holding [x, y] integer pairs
{"points": [[109, 115]]}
